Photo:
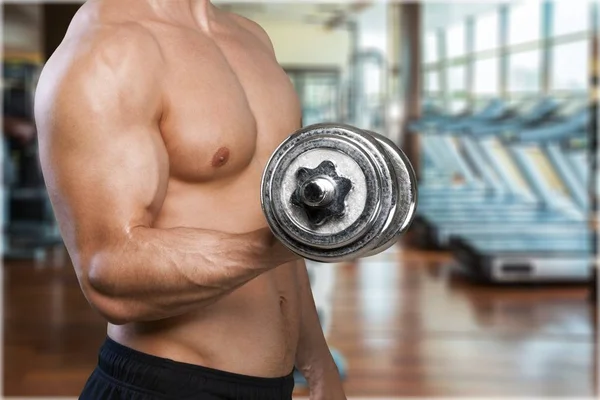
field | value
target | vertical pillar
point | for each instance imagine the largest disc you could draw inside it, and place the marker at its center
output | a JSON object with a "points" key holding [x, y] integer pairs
{"points": [[442, 67], [547, 33], [470, 64], [410, 24], [504, 62], [594, 167]]}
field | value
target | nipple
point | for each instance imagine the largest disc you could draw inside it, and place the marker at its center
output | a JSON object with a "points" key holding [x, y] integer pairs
{"points": [[221, 157]]}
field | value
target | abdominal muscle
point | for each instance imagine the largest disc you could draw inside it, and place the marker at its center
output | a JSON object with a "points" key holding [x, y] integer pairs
{"points": [[252, 331]]}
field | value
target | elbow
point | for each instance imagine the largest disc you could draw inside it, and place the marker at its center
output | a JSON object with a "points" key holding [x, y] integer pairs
{"points": [[101, 287], [114, 311], [100, 274]]}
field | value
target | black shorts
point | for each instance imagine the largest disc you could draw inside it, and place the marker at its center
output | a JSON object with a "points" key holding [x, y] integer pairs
{"points": [[124, 373]]}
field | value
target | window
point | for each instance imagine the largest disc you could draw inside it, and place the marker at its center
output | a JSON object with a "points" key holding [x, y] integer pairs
{"points": [[432, 82], [570, 66], [486, 76], [456, 41], [457, 78], [525, 22], [457, 105], [318, 93], [487, 32], [372, 79], [524, 71], [431, 48], [571, 16]]}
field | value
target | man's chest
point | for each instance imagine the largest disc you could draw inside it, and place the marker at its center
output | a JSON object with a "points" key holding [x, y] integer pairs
{"points": [[224, 97]]}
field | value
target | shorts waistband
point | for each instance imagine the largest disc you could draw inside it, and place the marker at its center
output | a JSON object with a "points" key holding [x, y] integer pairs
{"points": [[163, 375]]}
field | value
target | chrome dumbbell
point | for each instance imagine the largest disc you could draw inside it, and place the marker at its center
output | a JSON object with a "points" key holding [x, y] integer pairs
{"points": [[335, 192]]}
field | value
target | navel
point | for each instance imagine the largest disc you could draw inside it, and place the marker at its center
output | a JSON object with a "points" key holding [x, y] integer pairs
{"points": [[221, 157]]}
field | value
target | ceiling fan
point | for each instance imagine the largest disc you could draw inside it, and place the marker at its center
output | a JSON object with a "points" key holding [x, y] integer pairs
{"points": [[343, 16], [335, 14]]}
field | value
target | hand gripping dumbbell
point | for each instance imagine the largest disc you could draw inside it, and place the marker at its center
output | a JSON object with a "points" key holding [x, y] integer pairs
{"points": [[335, 192]]}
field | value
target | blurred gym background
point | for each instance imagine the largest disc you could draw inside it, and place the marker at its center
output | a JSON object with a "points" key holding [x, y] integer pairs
{"points": [[492, 292]]}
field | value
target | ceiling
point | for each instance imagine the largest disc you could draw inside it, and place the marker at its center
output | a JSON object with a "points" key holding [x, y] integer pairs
{"points": [[311, 11], [293, 11], [436, 14]]}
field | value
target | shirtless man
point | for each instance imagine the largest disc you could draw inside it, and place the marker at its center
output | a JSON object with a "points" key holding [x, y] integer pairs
{"points": [[156, 119]]}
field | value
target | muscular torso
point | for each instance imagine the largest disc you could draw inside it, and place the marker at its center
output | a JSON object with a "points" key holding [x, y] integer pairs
{"points": [[227, 105]]}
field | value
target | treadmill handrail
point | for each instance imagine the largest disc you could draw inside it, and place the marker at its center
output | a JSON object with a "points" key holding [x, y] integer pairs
{"points": [[431, 121], [540, 114], [493, 109], [552, 132]]}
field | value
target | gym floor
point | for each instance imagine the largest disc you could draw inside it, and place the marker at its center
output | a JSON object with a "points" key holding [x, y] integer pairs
{"points": [[406, 322]]}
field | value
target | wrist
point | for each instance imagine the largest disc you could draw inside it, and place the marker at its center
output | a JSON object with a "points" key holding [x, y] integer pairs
{"points": [[266, 252], [319, 371], [257, 245], [327, 386]]}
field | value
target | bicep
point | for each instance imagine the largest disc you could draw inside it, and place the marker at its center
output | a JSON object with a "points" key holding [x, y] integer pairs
{"points": [[104, 180], [105, 166]]}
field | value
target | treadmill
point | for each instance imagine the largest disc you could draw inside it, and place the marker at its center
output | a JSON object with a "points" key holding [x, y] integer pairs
{"points": [[444, 149], [563, 256], [442, 153], [530, 173], [523, 115], [434, 224]]}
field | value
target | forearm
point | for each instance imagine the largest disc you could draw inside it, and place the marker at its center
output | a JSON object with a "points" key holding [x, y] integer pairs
{"points": [[313, 358], [159, 273]]}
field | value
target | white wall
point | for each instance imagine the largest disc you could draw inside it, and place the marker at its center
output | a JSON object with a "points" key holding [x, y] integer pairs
{"points": [[299, 44]]}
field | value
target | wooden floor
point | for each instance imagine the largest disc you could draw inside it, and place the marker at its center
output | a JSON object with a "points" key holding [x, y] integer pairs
{"points": [[406, 325]]}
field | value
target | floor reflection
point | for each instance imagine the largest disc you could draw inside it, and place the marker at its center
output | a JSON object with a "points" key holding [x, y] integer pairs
{"points": [[418, 328]]}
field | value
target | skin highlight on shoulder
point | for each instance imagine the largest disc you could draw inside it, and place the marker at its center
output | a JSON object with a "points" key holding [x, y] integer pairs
{"points": [[116, 61]]}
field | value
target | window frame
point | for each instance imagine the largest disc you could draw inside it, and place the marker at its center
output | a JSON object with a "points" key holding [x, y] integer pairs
{"points": [[546, 43]]}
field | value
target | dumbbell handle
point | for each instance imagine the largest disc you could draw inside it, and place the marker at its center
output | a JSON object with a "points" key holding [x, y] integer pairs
{"points": [[321, 192], [318, 192]]}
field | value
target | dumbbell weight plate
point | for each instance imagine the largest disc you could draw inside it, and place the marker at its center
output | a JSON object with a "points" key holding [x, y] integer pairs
{"points": [[404, 210], [357, 157]]}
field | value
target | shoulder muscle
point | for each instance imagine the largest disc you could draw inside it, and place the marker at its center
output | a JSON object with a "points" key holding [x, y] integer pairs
{"points": [[108, 68], [255, 29]]}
